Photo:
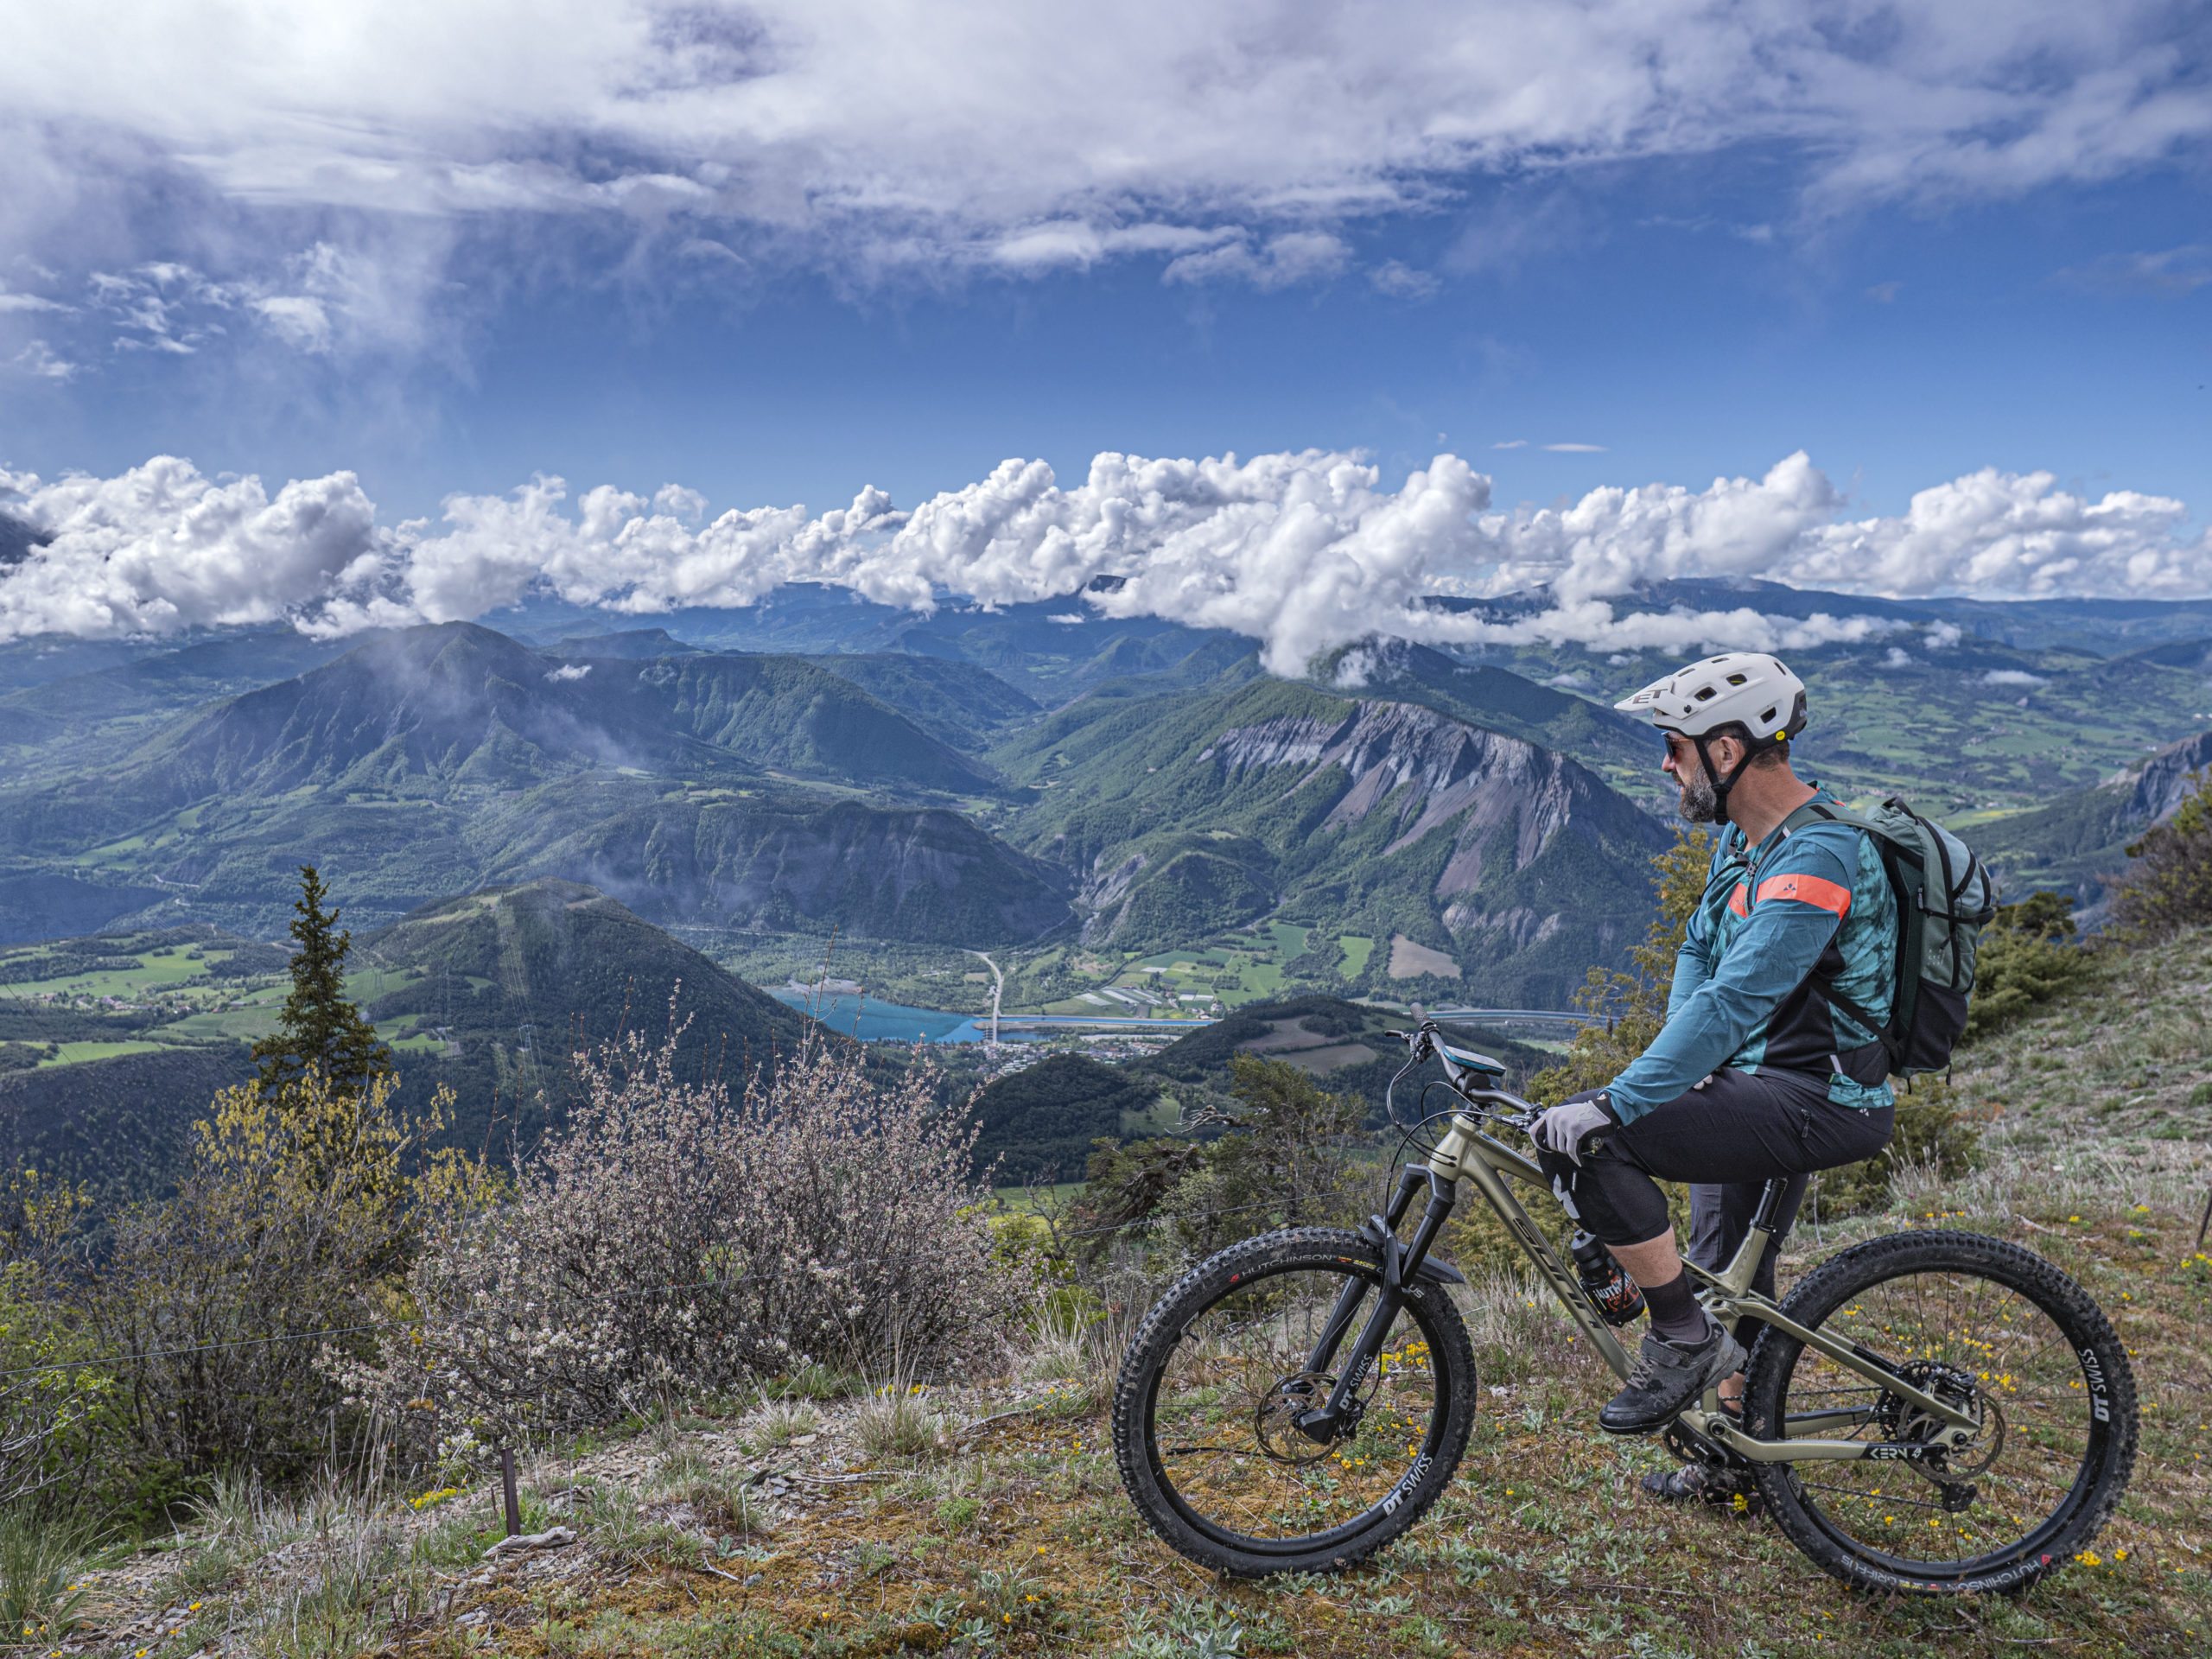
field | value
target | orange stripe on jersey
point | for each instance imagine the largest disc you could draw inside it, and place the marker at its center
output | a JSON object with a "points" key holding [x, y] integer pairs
{"points": [[1737, 900], [1805, 889]]}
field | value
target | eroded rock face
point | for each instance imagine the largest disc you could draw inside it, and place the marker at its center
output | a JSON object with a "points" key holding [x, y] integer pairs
{"points": [[2164, 780], [1485, 781]]}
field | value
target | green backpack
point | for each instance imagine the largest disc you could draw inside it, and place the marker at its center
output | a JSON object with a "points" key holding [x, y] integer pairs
{"points": [[1945, 898]]}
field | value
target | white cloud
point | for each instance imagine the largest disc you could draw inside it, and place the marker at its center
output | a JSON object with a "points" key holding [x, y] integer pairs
{"points": [[2012, 676], [39, 360], [2170, 274], [570, 672], [1576, 448], [297, 320], [979, 136], [1512, 444], [10, 301], [2011, 534], [1304, 551], [162, 548], [1896, 658], [1401, 281], [1294, 256]]}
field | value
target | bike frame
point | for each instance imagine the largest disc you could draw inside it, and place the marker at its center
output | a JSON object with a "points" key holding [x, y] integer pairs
{"points": [[1468, 1153]]}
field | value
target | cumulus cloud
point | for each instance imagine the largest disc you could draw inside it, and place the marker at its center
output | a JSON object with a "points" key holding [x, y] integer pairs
{"points": [[1233, 141], [2012, 676], [163, 548], [1303, 551]]}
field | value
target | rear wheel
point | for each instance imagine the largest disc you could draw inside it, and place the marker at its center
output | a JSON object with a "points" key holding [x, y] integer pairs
{"points": [[1205, 1416], [1989, 1328]]}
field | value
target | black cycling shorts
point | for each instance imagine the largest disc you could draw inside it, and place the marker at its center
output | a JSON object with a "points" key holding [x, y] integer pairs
{"points": [[1729, 1136]]}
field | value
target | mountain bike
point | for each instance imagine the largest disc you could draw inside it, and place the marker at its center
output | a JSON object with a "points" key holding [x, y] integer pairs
{"points": [[1929, 1412]]}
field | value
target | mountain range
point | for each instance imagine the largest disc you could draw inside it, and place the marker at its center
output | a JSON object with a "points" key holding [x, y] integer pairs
{"points": [[1003, 778]]}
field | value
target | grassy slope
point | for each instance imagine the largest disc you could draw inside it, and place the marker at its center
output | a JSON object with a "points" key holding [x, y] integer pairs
{"points": [[1017, 1539]]}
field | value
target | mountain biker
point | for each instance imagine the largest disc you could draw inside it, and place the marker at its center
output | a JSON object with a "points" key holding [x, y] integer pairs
{"points": [[1754, 1074]]}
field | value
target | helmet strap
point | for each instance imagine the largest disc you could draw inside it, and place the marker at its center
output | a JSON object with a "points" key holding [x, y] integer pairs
{"points": [[1720, 786]]}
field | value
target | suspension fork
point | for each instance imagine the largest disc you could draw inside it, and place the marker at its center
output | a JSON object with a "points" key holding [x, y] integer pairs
{"points": [[1401, 1263]]}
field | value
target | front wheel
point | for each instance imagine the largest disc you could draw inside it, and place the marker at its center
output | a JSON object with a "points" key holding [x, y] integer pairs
{"points": [[1991, 1329], [1204, 1415]]}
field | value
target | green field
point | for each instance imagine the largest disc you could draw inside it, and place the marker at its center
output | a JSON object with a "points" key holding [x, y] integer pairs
{"points": [[1355, 951], [72, 1053], [1260, 964]]}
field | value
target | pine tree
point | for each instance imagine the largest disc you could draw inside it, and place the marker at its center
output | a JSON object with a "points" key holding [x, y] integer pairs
{"points": [[318, 1027]]}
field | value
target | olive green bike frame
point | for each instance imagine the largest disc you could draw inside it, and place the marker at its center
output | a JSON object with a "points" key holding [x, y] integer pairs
{"points": [[1467, 1154]]}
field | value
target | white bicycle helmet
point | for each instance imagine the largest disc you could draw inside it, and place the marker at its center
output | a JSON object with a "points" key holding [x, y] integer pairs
{"points": [[1743, 689]]}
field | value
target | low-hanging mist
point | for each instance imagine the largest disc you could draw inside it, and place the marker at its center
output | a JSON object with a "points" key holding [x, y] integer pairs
{"points": [[1302, 552]]}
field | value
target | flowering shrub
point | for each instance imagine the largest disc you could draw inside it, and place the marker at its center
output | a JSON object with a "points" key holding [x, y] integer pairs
{"points": [[678, 1241], [299, 1214]]}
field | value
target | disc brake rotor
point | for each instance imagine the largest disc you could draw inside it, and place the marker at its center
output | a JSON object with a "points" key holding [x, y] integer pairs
{"points": [[1910, 1425], [1274, 1424]]}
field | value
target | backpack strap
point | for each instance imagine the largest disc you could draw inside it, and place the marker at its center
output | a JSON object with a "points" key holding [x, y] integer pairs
{"points": [[1912, 926]]}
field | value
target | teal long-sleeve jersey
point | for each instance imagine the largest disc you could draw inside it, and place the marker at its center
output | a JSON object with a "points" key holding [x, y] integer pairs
{"points": [[1814, 898]]}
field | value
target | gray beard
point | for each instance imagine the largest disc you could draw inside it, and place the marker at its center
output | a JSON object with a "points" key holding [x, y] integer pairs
{"points": [[1699, 803]]}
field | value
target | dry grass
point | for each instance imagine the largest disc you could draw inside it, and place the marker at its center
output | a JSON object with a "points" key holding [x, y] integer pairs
{"points": [[989, 1520]]}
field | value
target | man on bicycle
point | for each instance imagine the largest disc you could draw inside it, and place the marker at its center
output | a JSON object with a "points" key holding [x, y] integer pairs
{"points": [[1756, 1074]]}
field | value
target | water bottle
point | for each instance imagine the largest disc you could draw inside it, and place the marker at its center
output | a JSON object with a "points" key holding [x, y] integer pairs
{"points": [[1612, 1290]]}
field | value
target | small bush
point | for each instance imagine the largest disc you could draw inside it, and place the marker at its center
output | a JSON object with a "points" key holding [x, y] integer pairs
{"points": [[897, 1422], [298, 1215], [680, 1242], [1287, 1158], [2028, 956], [2167, 886], [42, 1594], [58, 1426]]}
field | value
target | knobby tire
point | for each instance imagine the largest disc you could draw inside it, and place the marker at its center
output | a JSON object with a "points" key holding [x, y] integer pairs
{"points": [[1237, 1276]]}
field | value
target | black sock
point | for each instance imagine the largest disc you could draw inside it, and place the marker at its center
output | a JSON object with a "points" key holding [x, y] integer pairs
{"points": [[1674, 1312]]}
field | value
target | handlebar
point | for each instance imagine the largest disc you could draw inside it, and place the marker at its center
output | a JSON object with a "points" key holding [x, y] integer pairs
{"points": [[1466, 1072]]}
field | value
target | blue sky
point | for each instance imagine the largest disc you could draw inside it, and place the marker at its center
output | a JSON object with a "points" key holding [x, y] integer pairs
{"points": [[2013, 337], [773, 253]]}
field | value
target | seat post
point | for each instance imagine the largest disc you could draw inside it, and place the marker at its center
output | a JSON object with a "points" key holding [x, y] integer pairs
{"points": [[1737, 1276], [1770, 1210]]}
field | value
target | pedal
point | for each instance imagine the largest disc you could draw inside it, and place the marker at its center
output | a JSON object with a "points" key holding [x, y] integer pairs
{"points": [[1690, 1446]]}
